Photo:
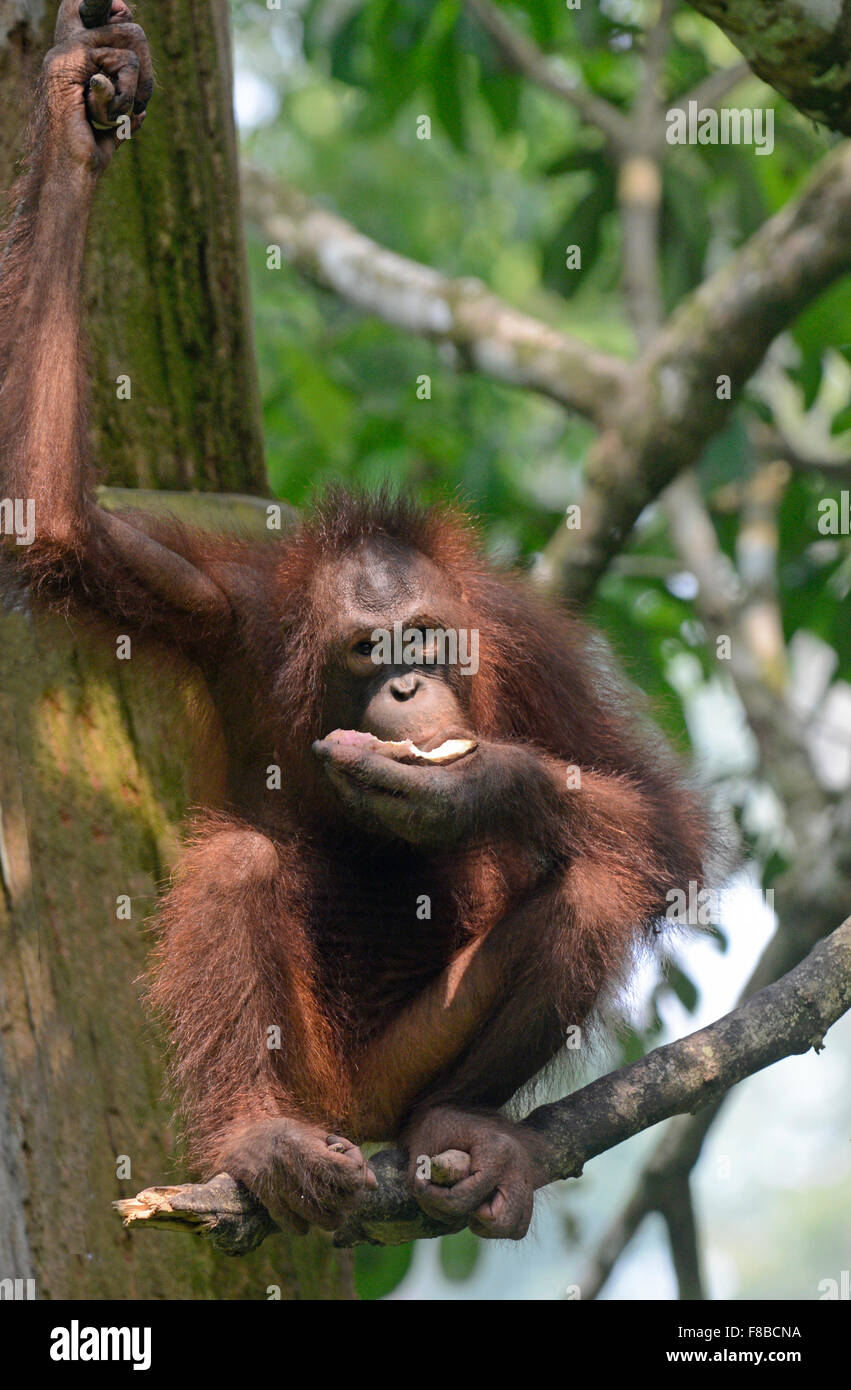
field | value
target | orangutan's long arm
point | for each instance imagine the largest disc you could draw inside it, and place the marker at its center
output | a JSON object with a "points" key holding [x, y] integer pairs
{"points": [[44, 463]]}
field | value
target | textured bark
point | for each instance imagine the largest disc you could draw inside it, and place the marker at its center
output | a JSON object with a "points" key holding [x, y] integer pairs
{"points": [[24, 28], [98, 757], [488, 334], [801, 47], [168, 281]]}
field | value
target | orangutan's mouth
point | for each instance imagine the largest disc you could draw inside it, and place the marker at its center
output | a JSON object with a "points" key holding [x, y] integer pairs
{"points": [[446, 750]]}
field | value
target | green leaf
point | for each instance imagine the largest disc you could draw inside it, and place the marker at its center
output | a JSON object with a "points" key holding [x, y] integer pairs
{"points": [[543, 27], [632, 1045], [684, 988], [686, 230], [502, 91], [776, 865], [842, 421], [459, 1254], [380, 1269], [583, 228], [446, 85], [575, 160], [343, 49]]}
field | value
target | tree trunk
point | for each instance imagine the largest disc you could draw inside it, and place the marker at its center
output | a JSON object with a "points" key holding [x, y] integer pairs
{"points": [[99, 758], [801, 47]]}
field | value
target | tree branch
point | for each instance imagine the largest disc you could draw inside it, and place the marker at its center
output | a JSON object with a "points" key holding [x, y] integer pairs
{"points": [[677, 1207], [819, 885], [670, 1162], [785, 1018], [749, 614], [819, 881], [640, 189], [709, 92], [489, 334], [670, 409], [802, 50], [657, 415], [523, 54]]}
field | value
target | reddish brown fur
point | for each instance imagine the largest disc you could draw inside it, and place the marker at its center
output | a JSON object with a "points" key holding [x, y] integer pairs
{"points": [[635, 832], [242, 950], [287, 912]]}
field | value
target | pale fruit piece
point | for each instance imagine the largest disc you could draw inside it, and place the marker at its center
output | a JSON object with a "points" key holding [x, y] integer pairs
{"points": [[448, 752]]}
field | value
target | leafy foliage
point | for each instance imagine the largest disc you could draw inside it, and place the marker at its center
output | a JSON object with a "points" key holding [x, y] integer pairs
{"points": [[508, 179]]}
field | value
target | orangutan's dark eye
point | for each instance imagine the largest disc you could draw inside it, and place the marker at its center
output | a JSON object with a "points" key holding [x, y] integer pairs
{"points": [[363, 648]]}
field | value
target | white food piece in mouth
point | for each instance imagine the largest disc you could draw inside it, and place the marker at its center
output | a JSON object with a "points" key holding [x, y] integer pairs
{"points": [[449, 751]]}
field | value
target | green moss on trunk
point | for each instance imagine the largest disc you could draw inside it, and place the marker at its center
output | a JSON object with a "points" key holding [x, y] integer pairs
{"points": [[99, 759]]}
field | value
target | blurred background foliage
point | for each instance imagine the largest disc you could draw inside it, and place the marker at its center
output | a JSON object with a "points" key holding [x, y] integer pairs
{"points": [[329, 93]]}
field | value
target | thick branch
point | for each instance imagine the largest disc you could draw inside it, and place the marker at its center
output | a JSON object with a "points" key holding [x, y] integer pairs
{"points": [[489, 334], [785, 1018], [671, 408], [801, 48]]}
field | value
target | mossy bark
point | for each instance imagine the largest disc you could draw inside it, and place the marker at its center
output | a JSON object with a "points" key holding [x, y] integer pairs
{"points": [[100, 758], [801, 47]]}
